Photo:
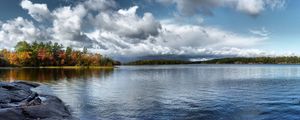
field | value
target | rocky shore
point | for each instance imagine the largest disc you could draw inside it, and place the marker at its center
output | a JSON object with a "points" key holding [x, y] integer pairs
{"points": [[19, 102]]}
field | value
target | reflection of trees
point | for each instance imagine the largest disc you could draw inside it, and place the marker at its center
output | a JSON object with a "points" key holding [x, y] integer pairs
{"points": [[47, 75]]}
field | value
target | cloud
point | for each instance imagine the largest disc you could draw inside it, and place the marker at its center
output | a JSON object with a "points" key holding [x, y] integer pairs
{"points": [[205, 36], [237, 52], [100, 4], [250, 7], [19, 29], [124, 33], [39, 12], [67, 26], [126, 23], [260, 32], [275, 4], [176, 39], [206, 53]]}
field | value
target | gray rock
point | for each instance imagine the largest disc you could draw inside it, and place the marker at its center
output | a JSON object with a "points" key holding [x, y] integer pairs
{"points": [[18, 102]]}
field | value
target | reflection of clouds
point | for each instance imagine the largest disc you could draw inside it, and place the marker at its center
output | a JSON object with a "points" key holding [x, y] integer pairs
{"points": [[76, 90], [180, 91]]}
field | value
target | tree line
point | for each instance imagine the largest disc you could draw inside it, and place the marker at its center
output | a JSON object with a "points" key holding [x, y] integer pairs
{"points": [[158, 62], [237, 60], [255, 60], [51, 54]]}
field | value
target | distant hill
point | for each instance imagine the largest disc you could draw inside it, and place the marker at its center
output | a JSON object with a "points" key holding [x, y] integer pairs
{"points": [[238, 60], [256, 60], [157, 62]]}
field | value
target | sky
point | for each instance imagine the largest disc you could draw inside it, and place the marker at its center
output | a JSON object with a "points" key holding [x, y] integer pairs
{"points": [[155, 29]]}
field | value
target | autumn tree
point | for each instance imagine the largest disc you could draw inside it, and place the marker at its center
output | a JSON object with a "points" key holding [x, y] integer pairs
{"points": [[49, 54]]}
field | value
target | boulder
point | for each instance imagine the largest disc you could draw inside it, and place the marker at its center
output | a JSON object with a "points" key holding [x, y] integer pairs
{"points": [[19, 102]]}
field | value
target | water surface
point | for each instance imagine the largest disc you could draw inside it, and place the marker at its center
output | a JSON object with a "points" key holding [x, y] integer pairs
{"points": [[208, 92]]}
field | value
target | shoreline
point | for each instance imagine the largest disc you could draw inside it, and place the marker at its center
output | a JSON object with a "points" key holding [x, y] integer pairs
{"points": [[212, 64], [65, 67]]}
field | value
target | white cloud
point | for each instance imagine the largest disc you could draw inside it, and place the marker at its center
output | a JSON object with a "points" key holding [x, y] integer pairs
{"points": [[254, 7], [39, 12], [124, 33], [275, 4], [205, 36], [179, 39], [67, 26], [251, 7], [260, 32], [126, 23], [206, 53], [19, 29], [100, 4]]}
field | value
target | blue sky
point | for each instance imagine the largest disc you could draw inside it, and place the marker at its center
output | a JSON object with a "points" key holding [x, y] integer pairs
{"points": [[126, 29]]}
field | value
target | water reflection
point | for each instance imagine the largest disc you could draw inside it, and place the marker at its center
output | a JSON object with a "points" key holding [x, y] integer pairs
{"points": [[204, 92], [46, 75]]}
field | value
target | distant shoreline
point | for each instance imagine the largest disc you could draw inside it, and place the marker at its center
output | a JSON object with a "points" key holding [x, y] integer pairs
{"points": [[239, 60], [209, 64]]}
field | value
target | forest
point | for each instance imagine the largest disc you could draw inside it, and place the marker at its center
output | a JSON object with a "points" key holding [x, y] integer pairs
{"points": [[39, 54]]}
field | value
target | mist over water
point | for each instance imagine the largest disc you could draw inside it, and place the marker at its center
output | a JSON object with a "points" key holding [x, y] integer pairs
{"points": [[210, 92]]}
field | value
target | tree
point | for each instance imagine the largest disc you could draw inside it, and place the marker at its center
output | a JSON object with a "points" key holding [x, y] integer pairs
{"points": [[69, 51], [49, 54], [22, 46], [13, 58], [85, 50], [24, 58], [68, 55], [42, 56], [62, 57]]}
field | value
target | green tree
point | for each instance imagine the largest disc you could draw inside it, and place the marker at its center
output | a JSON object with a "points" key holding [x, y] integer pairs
{"points": [[69, 51], [85, 50], [22, 46]]}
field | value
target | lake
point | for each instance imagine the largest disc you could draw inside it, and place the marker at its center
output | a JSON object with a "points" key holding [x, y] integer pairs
{"points": [[207, 92]]}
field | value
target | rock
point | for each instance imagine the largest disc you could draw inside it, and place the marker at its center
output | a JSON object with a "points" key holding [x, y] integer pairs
{"points": [[19, 102]]}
